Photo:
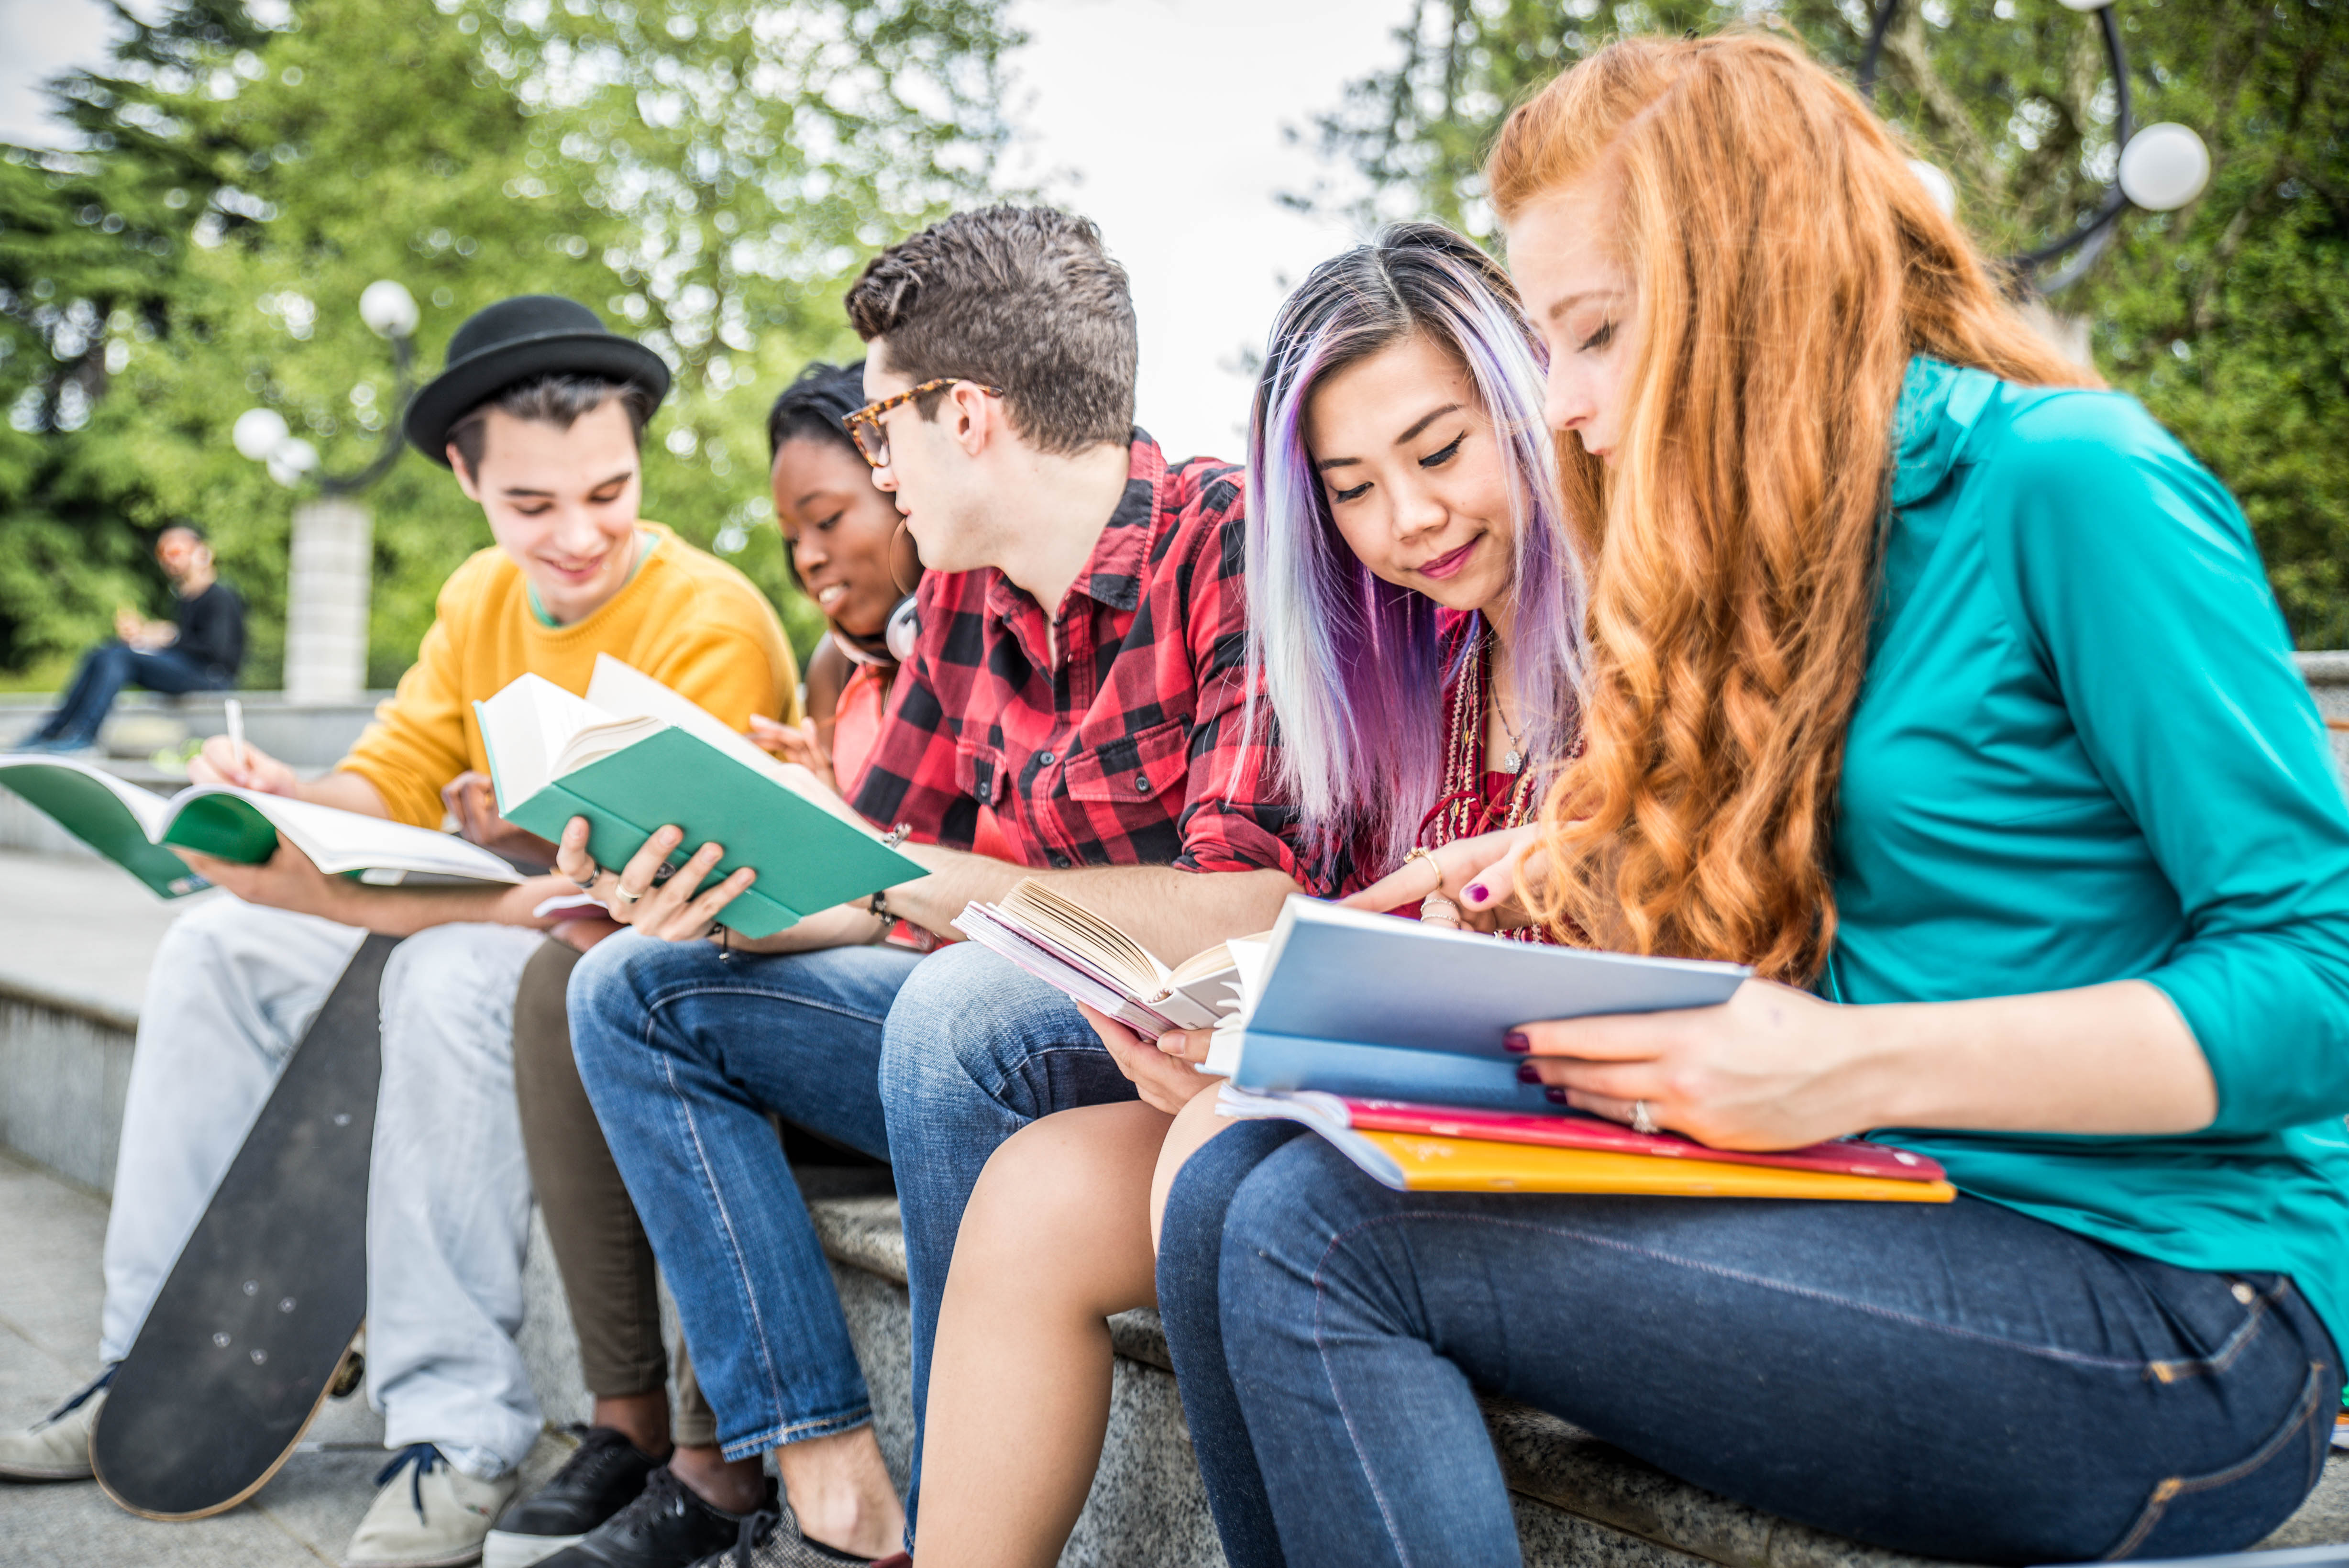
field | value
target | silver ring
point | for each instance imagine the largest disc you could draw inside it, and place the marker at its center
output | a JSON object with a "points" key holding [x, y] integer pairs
{"points": [[594, 871], [622, 894], [1642, 1121]]}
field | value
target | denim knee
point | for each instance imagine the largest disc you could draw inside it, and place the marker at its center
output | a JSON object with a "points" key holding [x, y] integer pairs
{"points": [[612, 992], [957, 1030]]}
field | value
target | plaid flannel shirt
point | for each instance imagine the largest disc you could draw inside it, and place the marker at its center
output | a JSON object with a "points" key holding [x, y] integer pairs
{"points": [[1128, 751]]}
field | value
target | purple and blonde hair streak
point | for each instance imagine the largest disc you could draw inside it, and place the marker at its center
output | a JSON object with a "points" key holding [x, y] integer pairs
{"points": [[1350, 666]]}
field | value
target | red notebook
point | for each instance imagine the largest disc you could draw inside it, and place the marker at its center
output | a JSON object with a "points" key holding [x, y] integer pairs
{"points": [[1574, 1129]]}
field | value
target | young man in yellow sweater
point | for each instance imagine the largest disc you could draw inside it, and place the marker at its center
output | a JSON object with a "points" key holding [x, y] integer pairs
{"points": [[541, 414]]}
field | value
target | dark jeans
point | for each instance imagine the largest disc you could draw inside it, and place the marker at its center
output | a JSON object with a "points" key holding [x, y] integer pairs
{"points": [[1958, 1381], [684, 1050], [105, 670]]}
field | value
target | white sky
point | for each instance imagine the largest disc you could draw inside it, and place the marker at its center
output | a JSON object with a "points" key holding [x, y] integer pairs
{"points": [[1161, 120]]}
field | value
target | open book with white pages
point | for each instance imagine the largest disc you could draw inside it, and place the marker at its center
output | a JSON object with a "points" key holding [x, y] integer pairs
{"points": [[131, 826], [1073, 950]]}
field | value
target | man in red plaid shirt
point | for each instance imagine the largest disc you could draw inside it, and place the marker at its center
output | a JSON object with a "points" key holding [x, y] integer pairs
{"points": [[1079, 673]]}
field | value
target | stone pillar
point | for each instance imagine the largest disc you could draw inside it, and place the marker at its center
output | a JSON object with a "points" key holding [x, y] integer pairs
{"points": [[326, 600]]}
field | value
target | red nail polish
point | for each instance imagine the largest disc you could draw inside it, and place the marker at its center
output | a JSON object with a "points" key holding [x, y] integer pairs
{"points": [[1515, 1043], [1526, 1073], [1555, 1096], [1476, 894]]}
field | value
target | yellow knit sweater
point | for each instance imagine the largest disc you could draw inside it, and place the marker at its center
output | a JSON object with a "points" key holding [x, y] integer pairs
{"points": [[687, 619]]}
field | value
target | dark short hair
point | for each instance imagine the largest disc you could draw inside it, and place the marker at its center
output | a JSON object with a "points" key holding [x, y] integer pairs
{"points": [[556, 399], [181, 525], [816, 403], [1024, 298]]}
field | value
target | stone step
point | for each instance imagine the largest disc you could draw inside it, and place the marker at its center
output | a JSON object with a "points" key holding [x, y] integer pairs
{"points": [[307, 734]]}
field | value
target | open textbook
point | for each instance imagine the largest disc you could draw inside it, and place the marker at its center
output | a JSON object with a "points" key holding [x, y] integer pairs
{"points": [[131, 826], [1069, 948], [632, 756], [1374, 1007]]}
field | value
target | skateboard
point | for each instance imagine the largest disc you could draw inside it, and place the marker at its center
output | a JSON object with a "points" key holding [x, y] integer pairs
{"points": [[256, 1320]]}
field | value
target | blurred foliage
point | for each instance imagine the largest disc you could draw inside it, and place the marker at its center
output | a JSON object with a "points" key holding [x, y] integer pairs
{"points": [[2230, 318], [705, 174]]}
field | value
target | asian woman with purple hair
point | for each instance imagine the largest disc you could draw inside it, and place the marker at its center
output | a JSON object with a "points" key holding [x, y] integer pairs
{"points": [[1415, 601]]}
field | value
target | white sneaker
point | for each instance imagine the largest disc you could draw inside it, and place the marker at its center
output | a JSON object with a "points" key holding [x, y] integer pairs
{"points": [[56, 1449], [428, 1514]]}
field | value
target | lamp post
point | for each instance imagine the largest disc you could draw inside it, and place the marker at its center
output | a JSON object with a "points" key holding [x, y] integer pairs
{"points": [[330, 575], [2162, 167]]}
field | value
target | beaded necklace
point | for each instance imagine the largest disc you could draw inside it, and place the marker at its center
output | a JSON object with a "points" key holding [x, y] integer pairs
{"points": [[1463, 810]]}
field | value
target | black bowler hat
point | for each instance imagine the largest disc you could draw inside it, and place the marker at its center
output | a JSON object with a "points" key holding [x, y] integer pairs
{"points": [[517, 340]]}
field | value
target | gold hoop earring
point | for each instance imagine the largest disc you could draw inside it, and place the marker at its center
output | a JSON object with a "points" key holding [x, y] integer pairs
{"points": [[903, 590]]}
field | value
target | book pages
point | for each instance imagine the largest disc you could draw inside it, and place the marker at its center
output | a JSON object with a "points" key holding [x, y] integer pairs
{"points": [[339, 841]]}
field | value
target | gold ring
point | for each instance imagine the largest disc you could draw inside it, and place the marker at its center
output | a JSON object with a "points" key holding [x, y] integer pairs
{"points": [[622, 894], [1421, 852]]}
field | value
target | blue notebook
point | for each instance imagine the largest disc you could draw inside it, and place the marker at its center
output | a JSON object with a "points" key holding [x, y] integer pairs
{"points": [[1372, 1007]]}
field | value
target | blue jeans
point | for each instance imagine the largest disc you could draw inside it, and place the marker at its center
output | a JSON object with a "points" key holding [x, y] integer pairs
{"points": [[684, 1051], [105, 670], [1958, 1381], [975, 1050]]}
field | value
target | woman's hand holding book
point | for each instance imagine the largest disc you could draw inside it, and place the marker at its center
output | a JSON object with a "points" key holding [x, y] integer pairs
{"points": [[1163, 1071], [1771, 1068]]}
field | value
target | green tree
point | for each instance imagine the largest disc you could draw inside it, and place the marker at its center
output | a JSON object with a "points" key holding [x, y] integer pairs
{"points": [[705, 175], [2229, 318]]}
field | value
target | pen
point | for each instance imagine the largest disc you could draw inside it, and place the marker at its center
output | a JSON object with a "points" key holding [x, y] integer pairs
{"points": [[236, 733]]}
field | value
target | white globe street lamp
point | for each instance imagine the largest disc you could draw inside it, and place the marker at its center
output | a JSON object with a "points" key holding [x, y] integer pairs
{"points": [[389, 310], [2161, 167], [331, 553], [2164, 167], [291, 462], [259, 433]]}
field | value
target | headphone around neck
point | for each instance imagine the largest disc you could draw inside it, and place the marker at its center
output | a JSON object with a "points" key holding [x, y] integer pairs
{"points": [[895, 643]]}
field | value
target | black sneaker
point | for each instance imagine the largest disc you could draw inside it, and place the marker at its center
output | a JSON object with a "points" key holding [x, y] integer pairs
{"points": [[604, 1476], [667, 1526], [770, 1538]]}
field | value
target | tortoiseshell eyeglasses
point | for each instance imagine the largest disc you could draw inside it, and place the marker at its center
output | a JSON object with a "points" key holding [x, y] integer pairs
{"points": [[872, 437]]}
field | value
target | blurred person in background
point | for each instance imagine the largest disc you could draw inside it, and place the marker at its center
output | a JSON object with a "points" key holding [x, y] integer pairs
{"points": [[199, 649]]}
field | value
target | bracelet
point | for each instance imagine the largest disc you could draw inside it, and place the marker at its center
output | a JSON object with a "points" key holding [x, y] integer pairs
{"points": [[896, 836], [877, 906]]}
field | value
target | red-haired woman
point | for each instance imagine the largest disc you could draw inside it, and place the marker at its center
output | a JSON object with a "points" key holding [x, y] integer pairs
{"points": [[1948, 692]]}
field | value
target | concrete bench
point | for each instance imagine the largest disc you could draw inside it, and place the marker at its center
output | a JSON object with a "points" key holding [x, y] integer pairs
{"points": [[65, 1064]]}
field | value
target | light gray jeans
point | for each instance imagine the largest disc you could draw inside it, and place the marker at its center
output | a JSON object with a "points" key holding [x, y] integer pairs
{"points": [[233, 987]]}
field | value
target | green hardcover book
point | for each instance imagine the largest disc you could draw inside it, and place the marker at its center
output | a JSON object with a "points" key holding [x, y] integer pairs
{"points": [[634, 757], [131, 826]]}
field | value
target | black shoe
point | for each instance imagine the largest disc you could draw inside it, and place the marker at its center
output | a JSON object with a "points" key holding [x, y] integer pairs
{"points": [[770, 1538], [667, 1527], [604, 1476]]}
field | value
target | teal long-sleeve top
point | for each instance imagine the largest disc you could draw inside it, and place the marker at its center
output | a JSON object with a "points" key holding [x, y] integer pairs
{"points": [[2082, 754]]}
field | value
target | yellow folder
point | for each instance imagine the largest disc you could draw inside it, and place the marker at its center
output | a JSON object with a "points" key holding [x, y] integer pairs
{"points": [[1472, 1165]]}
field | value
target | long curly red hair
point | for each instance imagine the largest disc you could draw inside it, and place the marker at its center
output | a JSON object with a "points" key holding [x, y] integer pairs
{"points": [[1787, 264]]}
